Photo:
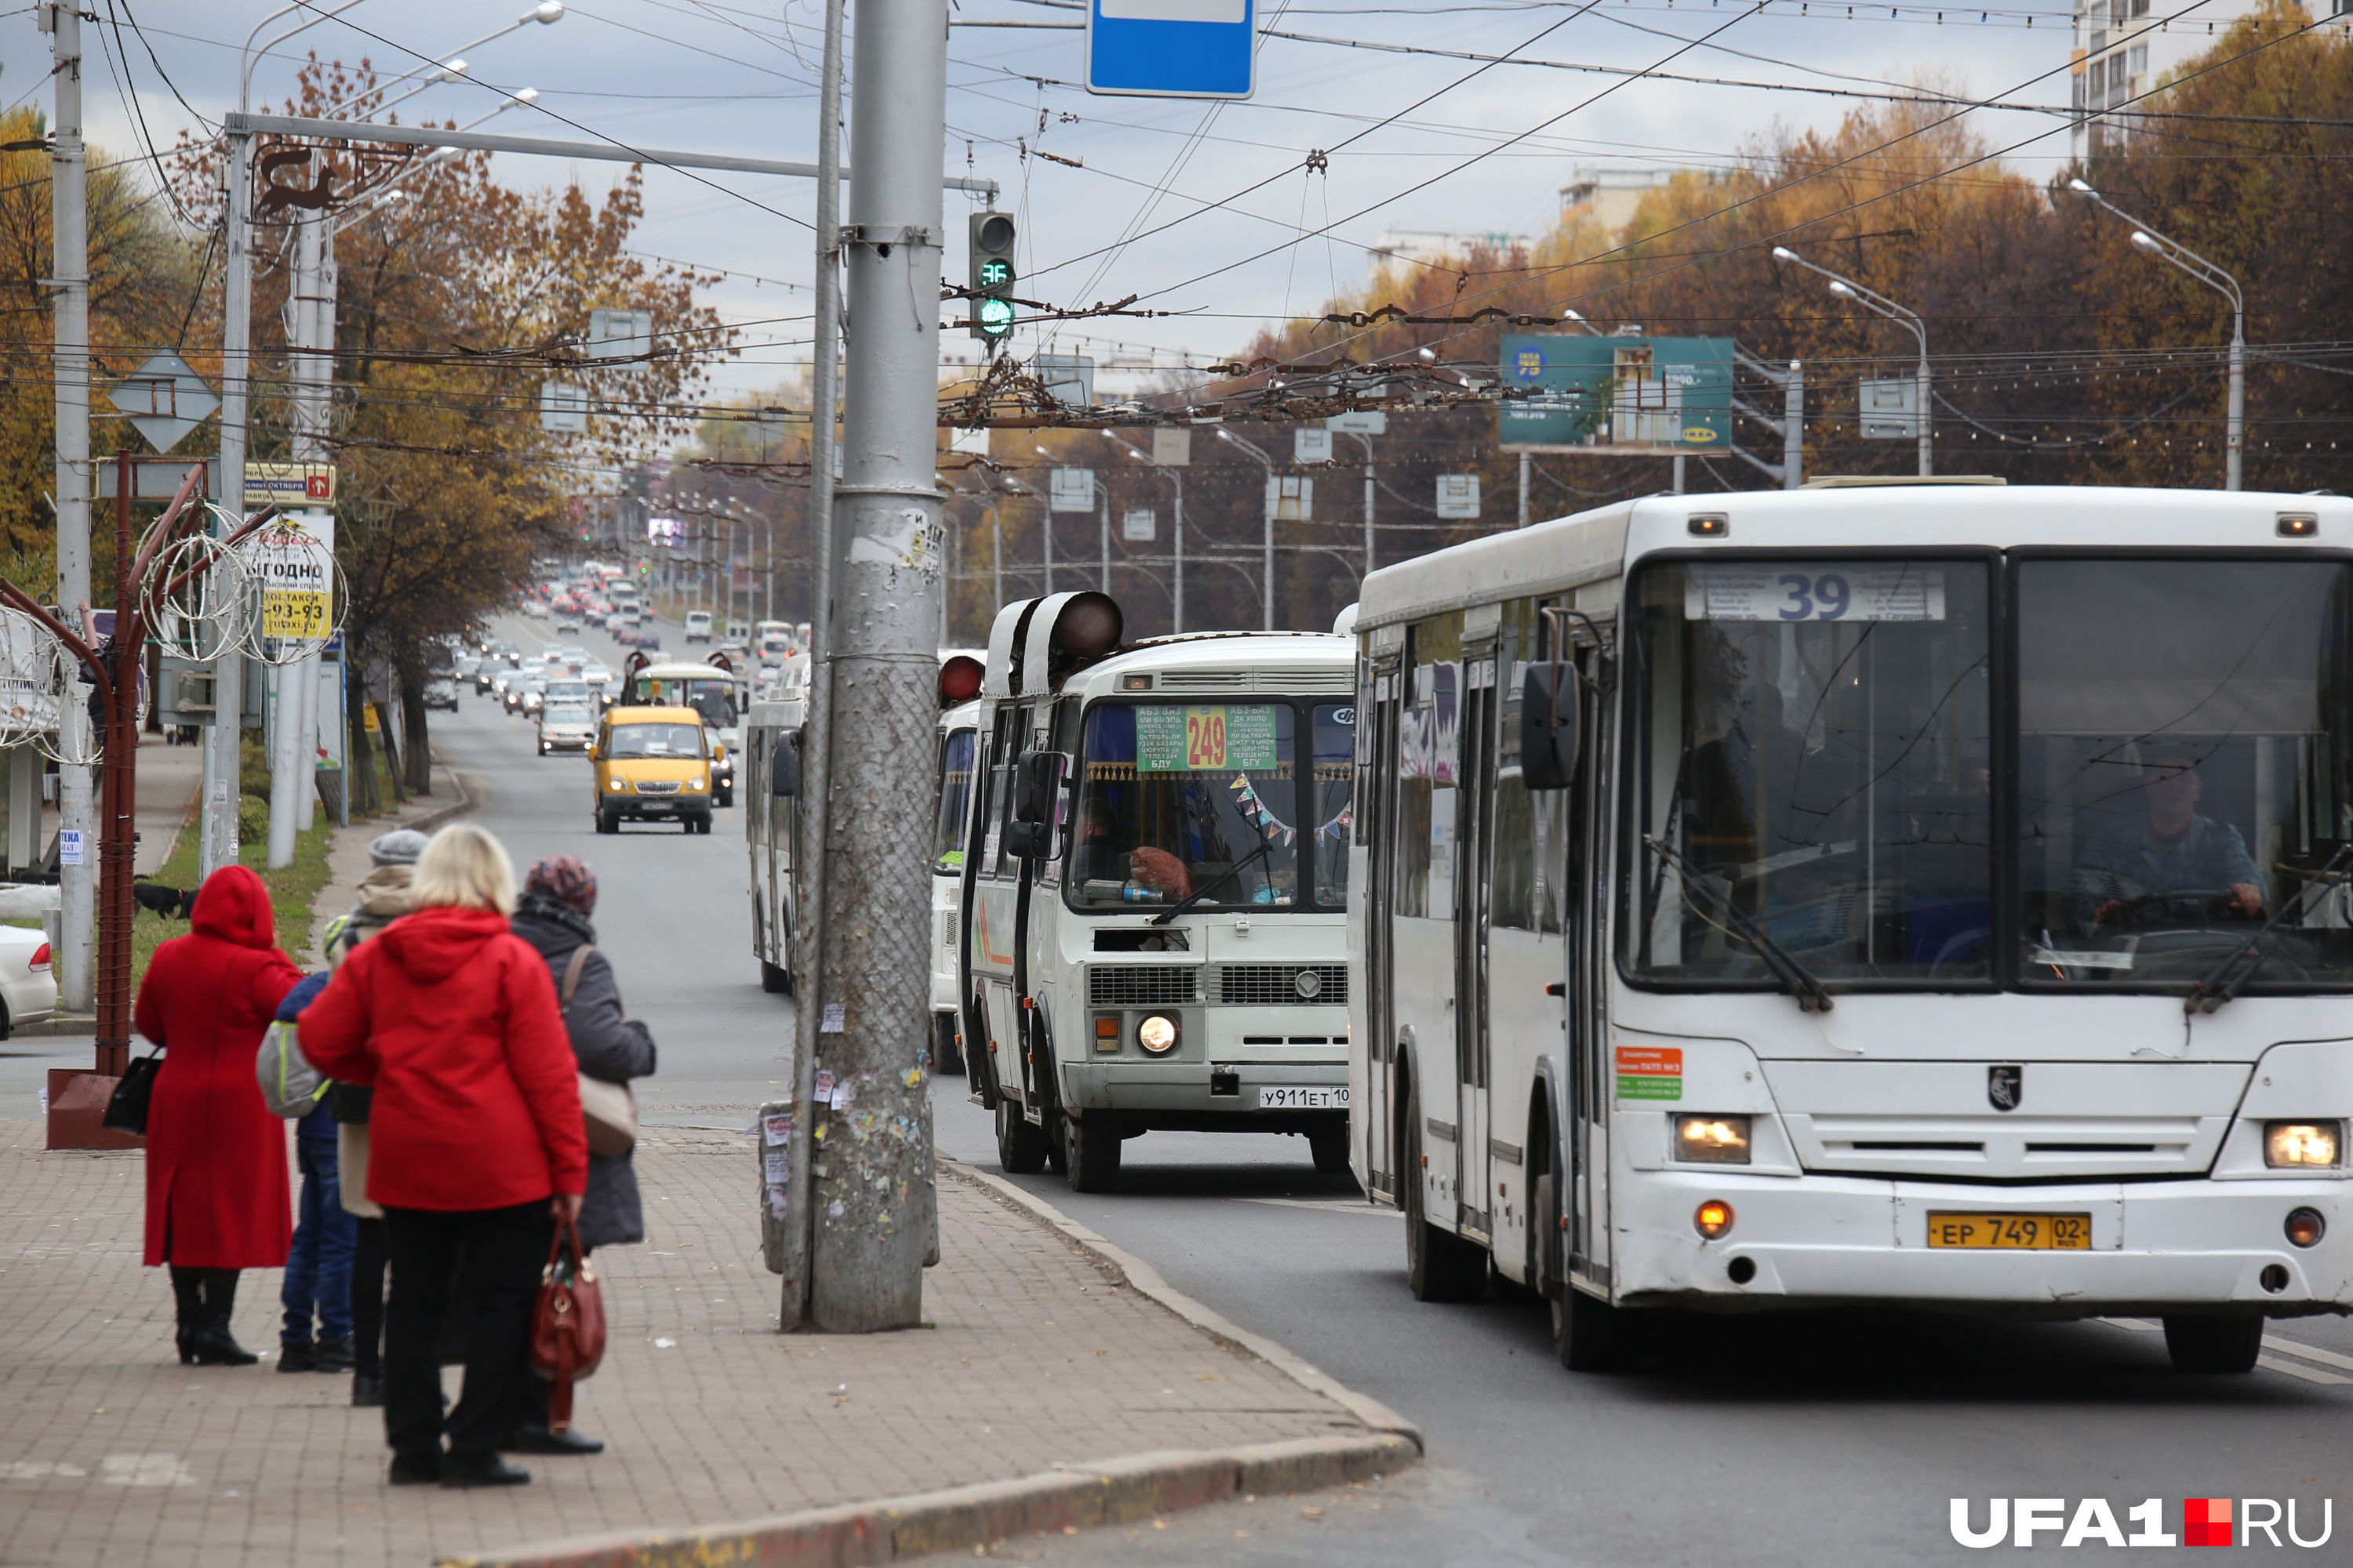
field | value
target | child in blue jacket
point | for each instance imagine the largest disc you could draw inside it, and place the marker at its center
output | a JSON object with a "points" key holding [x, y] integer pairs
{"points": [[319, 1264]]}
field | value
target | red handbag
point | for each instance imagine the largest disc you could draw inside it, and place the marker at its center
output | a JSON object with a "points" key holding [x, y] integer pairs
{"points": [[568, 1323]]}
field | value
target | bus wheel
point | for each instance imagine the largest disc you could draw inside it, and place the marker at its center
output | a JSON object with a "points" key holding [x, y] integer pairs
{"points": [[1057, 1149], [1330, 1148], [775, 979], [2213, 1344], [1020, 1148], [946, 1056], [1438, 1264], [1588, 1335], [1091, 1152]]}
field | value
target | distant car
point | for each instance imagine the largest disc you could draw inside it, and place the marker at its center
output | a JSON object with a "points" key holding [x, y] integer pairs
{"points": [[28, 985], [441, 693], [565, 726], [526, 695], [536, 611], [465, 664], [596, 675], [569, 623], [487, 673]]}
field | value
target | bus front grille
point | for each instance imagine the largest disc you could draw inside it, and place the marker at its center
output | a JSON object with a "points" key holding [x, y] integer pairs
{"points": [[1140, 985], [1283, 985]]}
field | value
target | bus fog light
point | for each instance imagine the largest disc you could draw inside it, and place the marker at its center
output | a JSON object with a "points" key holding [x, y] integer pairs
{"points": [[2300, 1144], [1712, 1139], [1713, 1219], [1157, 1035], [2306, 1227]]}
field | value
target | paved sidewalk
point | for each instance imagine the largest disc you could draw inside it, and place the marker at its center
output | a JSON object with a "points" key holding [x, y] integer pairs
{"points": [[113, 1452]]}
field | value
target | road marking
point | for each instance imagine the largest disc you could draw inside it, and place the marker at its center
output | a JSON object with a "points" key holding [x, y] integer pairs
{"points": [[2306, 1374], [2309, 1352]]}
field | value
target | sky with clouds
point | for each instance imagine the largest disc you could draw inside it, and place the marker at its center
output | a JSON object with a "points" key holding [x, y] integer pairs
{"points": [[1199, 208]]}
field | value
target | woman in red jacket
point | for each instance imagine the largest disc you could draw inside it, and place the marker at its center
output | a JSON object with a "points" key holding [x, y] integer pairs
{"points": [[216, 1194], [475, 1143]]}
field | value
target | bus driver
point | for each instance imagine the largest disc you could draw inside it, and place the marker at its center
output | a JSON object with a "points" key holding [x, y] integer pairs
{"points": [[2173, 849]]}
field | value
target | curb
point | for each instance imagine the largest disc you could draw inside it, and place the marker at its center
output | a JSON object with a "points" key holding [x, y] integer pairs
{"points": [[1147, 1281], [1070, 1496]]}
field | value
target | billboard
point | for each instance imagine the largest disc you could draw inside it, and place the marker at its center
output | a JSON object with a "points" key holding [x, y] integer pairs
{"points": [[1627, 396]]}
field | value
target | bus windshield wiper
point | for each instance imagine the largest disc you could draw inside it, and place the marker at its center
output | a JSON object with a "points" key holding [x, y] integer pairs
{"points": [[1794, 977], [1264, 848], [2229, 978]]}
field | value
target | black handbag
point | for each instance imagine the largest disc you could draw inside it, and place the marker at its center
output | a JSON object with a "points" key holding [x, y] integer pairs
{"points": [[126, 1107]]}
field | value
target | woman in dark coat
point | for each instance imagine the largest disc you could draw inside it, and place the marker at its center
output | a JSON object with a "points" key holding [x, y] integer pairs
{"points": [[217, 1200], [558, 897]]}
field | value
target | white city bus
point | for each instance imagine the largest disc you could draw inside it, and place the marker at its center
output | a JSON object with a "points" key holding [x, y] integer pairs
{"points": [[1155, 890], [960, 681], [1947, 904]]}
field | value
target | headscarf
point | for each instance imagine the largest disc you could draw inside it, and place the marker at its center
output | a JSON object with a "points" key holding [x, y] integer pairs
{"points": [[567, 880]]}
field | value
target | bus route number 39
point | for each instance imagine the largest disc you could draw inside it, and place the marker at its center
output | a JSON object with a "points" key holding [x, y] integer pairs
{"points": [[1823, 597]]}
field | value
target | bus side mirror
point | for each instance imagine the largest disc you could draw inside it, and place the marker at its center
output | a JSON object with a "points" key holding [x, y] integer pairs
{"points": [[1549, 726], [1037, 781], [785, 766]]}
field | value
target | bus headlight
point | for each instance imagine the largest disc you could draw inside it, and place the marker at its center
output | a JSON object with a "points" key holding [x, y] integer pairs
{"points": [[1157, 1035], [1712, 1139], [2300, 1144]]}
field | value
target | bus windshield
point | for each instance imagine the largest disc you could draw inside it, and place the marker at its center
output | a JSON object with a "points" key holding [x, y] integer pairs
{"points": [[2183, 769], [955, 799], [1813, 740], [1176, 801], [714, 700]]}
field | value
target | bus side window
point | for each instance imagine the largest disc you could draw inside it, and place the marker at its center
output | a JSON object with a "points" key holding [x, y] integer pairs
{"points": [[1001, 748], [1513, 888]]}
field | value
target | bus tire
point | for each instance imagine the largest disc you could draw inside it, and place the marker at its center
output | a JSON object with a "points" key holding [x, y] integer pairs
{"points": [[1091, 1152], [775, 979], [1588, 1335], [1020, 1148], [946, 1056], [1438, 1264], [1329, 1149], [2206, 1344], [1057, 1149]]}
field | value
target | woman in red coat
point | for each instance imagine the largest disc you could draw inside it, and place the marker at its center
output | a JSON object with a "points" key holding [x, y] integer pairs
{"points": [[216, 1191], [475, 1143]]}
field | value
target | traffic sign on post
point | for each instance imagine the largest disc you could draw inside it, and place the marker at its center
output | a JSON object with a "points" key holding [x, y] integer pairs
{"points": [[164, 400], [1172, 48], [289, 485], [1072, 490]]}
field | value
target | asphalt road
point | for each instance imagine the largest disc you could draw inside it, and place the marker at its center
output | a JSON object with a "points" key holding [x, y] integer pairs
{"points": [[1799, 1439]]}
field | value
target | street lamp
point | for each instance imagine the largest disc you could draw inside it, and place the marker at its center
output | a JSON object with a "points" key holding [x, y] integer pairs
{"points": [[2144, 237], [1267, 585], [1046, 523], [1176, 484], [1847, 288]]}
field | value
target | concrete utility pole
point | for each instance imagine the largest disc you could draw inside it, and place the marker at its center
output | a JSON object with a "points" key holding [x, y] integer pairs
{"points": [[1526, 462], [69, 229], [795, 1264], [873, 1205]]}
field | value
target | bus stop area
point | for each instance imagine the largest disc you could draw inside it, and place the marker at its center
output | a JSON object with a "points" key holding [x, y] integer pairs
{"points": [[1037, 1356]]}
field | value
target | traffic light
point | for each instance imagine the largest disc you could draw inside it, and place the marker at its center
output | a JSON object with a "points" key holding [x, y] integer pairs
{"points": [[991, 252]]}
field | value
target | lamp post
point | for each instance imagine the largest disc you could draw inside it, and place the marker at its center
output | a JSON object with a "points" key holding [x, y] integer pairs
{"points": [[1046, 519], [1847, 288], [1176, 486], [2144, 237], [1267, 567], [1366, 442]]}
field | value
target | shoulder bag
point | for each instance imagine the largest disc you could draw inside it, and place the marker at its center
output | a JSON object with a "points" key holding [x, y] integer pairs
{"points": [[610, 1110], [126, 1107], [568, 1323]]}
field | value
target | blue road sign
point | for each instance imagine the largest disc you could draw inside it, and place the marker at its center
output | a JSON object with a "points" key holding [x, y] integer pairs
{"points": [[1172, 48]]}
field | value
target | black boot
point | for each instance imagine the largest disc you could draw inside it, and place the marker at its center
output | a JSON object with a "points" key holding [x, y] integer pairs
{"points": [[188, 1305], [331, 1355], [294, 1358], [211, 1341]]}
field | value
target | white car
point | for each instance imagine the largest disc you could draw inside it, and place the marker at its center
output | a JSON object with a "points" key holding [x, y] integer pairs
{"points": [[534, 609], [565, 726], [28, 986]]}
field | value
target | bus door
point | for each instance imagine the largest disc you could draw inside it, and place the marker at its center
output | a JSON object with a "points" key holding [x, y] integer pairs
{"points": [[1428, 835], [1585, 931], [997, 888], [1377, 766], [1476, 795], [1037, 917]]}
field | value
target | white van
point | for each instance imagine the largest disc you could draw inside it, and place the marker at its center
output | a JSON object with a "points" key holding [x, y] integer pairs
{"points": [[698, 626]]}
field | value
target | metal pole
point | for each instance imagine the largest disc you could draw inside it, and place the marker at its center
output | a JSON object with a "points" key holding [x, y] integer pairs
{"points": [[1678, 484], [1266, 596], [1928, 458], [873, 1207], [1177, 611], [2235, 433], [309, 368], [1525, 460], [793, 1310], [69, 197], [1045, 532], [1793, 428], [218, 844], [996, 560], [1369, 507], [1103, 502]]}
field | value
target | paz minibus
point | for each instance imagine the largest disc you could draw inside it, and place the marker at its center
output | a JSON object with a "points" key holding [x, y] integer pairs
{"points": [[1155, 887], [1876, 893], [960, 681]]}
